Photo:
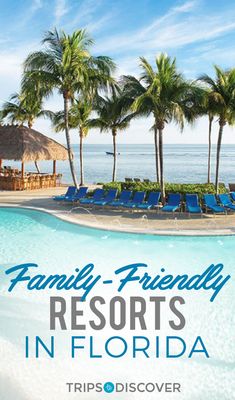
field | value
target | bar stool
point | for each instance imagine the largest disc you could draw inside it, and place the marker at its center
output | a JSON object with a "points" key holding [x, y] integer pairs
{"points": [[58, 179], [17, 183], [43, 182], [37, 182]]}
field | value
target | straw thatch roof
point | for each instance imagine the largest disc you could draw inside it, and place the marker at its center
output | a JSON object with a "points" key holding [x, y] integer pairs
{"points": [[24, 144]]}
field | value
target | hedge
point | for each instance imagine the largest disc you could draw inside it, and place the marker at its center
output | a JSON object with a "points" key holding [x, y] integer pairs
{"points": [[183, 188]]}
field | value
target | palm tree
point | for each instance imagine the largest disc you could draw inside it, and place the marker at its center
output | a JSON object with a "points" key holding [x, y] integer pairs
{"points": [[23, 108], [113, 115], [206, 108], [133, 88], [167, 96], [222, 99], [210, 119], [65, 64], [78, 118], [211, 113]]}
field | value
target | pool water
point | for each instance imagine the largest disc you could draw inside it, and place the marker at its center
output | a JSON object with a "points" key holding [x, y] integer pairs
{"points": [[59, 247]]}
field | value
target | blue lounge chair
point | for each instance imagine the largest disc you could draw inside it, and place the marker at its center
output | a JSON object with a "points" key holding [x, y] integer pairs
{"points": [[232, 194], [123, 199], [81, 192], [192, 204], [70, 192], [110, 196], [137, 200], [152, 201], [98, 195], [226, 201], [173, 203], [211, 204]]}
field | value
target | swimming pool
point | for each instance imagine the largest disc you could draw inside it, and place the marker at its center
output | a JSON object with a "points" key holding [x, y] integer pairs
{"points": [[59, 247]]}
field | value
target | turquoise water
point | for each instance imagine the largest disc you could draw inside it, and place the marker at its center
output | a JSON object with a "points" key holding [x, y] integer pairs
{"points": [[59, 247]]}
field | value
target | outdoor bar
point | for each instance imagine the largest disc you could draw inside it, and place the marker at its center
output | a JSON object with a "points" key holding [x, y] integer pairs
{"points": [[20, 143]]}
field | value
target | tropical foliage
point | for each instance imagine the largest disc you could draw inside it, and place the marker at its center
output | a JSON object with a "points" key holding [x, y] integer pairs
{"points": [[66, 65], [25, 107], [222, 102], [113, 115], [209, 110], [20, 109], [78, 118], [167, 96], [93, 98], [183, 188]]}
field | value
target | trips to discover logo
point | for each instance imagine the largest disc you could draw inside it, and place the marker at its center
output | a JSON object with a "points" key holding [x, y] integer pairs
{"points": [[127, 387]]}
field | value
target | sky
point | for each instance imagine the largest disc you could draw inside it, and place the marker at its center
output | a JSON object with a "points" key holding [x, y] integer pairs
{"points": [[199, 33]]}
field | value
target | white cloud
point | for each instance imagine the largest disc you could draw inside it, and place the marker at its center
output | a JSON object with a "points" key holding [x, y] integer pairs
{"points": [[99, 24], [84, 13], [178, 27], [36, 4], [213, 53], [182, 25], [11, 61], [61, 9], [185, 7], [29, 14], [173, 12]]}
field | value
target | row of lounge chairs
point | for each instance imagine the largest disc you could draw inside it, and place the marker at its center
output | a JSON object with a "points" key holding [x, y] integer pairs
{"points": [[72, 195], [128, 200]]}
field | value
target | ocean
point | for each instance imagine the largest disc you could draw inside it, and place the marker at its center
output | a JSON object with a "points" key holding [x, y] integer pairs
{"points": [[182, 163]]}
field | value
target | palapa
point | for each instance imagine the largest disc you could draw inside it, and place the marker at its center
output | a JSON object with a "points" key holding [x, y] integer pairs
{"points": [[25, 144]]}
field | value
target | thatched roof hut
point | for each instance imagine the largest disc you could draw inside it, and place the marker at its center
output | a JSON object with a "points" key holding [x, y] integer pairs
{"points": [[24, 144]]}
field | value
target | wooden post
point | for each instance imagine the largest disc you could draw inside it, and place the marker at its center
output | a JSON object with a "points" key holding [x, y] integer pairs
{"points": [[54, 167], [22, 187], [0, 163], [22, 169], [54, 173]]}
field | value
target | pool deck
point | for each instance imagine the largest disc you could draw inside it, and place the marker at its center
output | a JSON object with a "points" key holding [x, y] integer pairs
{"points": [[149, 222]]}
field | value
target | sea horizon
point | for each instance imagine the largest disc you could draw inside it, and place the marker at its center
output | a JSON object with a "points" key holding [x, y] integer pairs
{"points": [[182, 163]]}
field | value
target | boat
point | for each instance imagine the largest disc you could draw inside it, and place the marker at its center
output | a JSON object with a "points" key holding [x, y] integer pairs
{"points": [[110, 153]]}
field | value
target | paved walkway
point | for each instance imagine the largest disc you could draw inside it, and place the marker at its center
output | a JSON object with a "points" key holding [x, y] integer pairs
{"points": [[144, 222]]}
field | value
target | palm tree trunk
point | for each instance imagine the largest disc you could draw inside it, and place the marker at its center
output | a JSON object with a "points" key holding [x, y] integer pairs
{"points": [[81, 159], [156, 152], [221, 127], [209, 151], [70, 154], [37, 167], [30, 125], [114, 133], [162, 184]]}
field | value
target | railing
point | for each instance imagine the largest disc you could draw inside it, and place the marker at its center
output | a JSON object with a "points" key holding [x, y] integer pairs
{"points": [[29, 182]]}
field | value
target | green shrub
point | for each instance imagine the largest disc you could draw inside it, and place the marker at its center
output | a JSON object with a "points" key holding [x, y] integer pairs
{"points": [[183, 188], [113, 185]]}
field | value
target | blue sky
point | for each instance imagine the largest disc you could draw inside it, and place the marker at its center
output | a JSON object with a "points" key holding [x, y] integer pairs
{"points": [[198, 33]]}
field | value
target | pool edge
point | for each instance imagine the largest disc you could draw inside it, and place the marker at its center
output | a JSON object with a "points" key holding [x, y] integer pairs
{"points": [[139, 231]]}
